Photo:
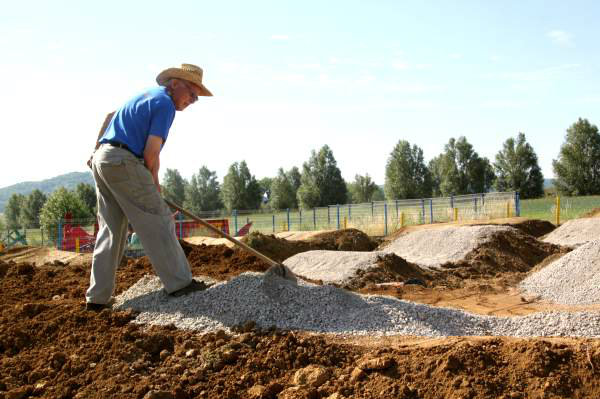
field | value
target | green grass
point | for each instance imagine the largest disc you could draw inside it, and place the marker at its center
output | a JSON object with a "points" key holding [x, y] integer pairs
{"points": [[570, 207]]}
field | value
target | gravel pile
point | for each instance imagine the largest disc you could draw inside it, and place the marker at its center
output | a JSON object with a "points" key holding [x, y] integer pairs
{"points": [[574, 279], [272, 301], [575, 232], [434, 247], [331, 266]]}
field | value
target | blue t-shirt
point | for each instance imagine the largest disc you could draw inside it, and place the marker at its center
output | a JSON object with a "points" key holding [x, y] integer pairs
{"points": [[150, 113]]}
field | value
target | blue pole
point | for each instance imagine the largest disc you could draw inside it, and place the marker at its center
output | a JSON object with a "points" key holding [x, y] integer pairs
{"points": [[372, 210], [328, 216], [517, 203], [273, 223], [60, 234], [452, 201], [349, 212], [338, 216], [396, 209], [288, 219], [180, 217], [475, 204], [235, 221], [385, 217], [315, 217], [300, 217], [423, 210], [431, 210]]}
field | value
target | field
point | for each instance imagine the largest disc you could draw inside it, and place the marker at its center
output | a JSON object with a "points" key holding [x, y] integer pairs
{"points": [[431, 311], [570, 207]]}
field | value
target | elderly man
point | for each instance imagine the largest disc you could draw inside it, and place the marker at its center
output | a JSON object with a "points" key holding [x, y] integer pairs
{"points": [[125, 167]]}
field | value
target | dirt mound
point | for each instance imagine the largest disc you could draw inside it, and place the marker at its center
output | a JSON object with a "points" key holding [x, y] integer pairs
{"points": [[390, 268], [534, 227], [344, 240], [505, 252], [278, 249]]}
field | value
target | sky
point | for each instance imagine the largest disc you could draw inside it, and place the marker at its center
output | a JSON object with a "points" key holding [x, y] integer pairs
{"points": [[291, 76]]}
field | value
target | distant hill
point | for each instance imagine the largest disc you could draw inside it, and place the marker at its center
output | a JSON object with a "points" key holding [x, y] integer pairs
{"points": [[69, 180]]}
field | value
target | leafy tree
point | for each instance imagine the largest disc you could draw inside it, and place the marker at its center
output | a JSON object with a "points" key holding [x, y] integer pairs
{"points": [[362, 189], [32, 206], [87, 193], [283, 194], [517, 169], [577, 169], [12, 211], [173, 187], [2, 224], [240, 189], [57, 205], [460, 170], [406, 175], [295, 178], [379, 194], [204, 192], [265, 187], [321, 181]]}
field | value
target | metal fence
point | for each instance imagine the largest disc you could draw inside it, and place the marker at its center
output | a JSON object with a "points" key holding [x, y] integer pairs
{"points": [[378, 218]]}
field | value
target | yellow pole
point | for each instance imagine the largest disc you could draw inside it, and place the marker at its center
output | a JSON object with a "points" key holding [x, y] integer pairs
{"points": [[508, 209], [77, 244], [455, 214], [401, 219], [557, 209], [345, 222]]}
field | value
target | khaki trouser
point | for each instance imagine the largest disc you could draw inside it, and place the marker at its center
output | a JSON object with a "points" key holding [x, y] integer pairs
{"points": [[126, 191]]}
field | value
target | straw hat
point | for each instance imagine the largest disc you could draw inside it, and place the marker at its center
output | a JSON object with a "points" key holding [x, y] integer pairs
{"points": [[189, 72]]}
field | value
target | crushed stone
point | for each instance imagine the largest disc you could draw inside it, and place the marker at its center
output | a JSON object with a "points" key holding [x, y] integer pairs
{"points": [[575, 232], [277, 302], [573, 279], [331, 266]]}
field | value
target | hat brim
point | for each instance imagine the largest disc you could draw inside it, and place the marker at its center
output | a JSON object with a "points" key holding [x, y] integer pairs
{"points": [[177, 73]]}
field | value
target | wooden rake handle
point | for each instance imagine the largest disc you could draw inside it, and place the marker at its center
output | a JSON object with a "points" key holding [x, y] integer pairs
{"points": [[222, 234]]}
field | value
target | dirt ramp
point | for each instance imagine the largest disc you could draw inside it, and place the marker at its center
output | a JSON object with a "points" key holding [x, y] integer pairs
{"points": [[534, 227]]}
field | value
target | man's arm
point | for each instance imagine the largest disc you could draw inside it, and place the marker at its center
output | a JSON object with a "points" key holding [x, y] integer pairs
{"points": [[152, 157], [100, 133]]}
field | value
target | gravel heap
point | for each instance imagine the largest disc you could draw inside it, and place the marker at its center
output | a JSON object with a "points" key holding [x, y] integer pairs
{"points": [[574, 279], [434, 247], [331, 266], [272, 301], [575, 232]]}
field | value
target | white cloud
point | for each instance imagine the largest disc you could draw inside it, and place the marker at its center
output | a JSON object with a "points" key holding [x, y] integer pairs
{"points": [[536, 75], [280, 37], [401, 65], [456, 56], [560, 37]]}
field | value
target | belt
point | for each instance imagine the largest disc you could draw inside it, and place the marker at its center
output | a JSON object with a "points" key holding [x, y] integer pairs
{"points": [[123, 146]]}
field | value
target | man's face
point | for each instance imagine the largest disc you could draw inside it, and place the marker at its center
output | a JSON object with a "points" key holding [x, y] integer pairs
{"points": [[184, 93]]}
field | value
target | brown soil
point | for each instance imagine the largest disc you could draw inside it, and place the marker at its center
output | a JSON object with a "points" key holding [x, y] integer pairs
{"points": [[50, 347], [534, 227], [279, 249]]}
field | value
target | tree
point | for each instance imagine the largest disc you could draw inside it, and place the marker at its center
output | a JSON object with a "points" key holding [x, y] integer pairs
{"points": [[203, 193], [517, 169], [577, 169], [265, 188], [56, 207], [2, 223], [240, 189], [362, 189], [460, 170], [283, 194], [295, 178], [12, 211], [406, 175], [87, 193], [32, 206], [321, 181], [173, 187]]}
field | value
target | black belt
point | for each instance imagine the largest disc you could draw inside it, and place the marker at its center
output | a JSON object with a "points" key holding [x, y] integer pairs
{"points": [[123, 146]]}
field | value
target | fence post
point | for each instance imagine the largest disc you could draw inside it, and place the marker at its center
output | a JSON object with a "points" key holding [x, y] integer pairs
{"points": [[338, 216], [475, 206], [401, 219], [42, 234], [328, 217], [180, 217], [76, 245], [431, 210], [273, 223], [385, 231], [315, 217], [557, 209], [349, 211], [452, 201], [422, 211], [372, 210], [235, 221], [396, 209], [59, 239], [300, 217], [288, 219], [517, 203]]}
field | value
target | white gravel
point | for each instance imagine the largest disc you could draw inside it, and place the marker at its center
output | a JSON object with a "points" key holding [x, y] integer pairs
{"points": [[331, 266], [575, 232], [573, 279], [433, 247], [276, 302]]}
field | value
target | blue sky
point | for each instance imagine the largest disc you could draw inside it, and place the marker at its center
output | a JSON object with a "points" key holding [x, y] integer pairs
{"points": [[289, 77]]}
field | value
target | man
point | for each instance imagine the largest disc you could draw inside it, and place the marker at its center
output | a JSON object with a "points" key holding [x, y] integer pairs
{"points": [[125, 167]]}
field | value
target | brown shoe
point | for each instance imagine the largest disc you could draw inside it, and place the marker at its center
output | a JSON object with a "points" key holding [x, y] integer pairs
{"points": [[194, 286], [96, 307]]}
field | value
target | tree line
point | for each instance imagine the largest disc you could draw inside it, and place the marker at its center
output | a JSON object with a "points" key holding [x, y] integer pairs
{"points": [[457, 170]]}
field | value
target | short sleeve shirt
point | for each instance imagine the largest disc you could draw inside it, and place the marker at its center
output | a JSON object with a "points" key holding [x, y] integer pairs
{"points": [[149, 113]]}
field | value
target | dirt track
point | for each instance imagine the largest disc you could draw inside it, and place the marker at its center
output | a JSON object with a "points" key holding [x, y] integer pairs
{"points": [[51, 348]]}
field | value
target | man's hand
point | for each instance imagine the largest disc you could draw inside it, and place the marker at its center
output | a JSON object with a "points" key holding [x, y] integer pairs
{"points": [[152, 157]]}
